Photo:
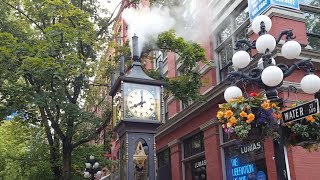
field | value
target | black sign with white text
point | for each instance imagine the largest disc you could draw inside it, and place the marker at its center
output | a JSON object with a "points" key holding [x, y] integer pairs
{"points": [[301, 111]]}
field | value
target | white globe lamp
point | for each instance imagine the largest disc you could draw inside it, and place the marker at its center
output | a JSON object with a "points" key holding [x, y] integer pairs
{"points": [[86, 175], [96, 165], [291, 49], [98, 173], [265, 42], [241, 59], [232, 92], [272, 76], [88, 165], [310, 83], [257, 21]]}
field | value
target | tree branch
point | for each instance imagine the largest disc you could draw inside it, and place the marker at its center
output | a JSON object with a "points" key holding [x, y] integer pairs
{"points": [[95, 133], [25, 15], [54, 124], [103, 28]]}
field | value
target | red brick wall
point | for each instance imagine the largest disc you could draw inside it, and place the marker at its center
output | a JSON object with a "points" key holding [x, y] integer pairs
{"points": [[208, 80], [213, 153], [176, 166], [185, 129]]}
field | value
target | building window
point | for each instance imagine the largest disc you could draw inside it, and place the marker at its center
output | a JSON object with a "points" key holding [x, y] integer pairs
{"points": [[236, 27], [245, 161], [193, 145], [311, 11], [194, 158], [164, 165], [157, 57]]}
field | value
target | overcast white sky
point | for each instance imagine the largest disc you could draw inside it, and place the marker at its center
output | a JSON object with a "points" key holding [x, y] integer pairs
{"points": [[109, 4]]}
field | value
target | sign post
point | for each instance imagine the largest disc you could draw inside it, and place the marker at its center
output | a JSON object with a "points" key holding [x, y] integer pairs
{"points": [[301, 111]]}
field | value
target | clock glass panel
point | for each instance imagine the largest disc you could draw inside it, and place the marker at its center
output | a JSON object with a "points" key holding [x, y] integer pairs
{"points": [[142, 101]]}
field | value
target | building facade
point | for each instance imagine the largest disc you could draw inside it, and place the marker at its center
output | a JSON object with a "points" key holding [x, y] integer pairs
{"points": [[191, 145]]}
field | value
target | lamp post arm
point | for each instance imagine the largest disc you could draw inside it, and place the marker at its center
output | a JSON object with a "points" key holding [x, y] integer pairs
{"points": [[253, 76], [288, 33], [305, 65], [239, 44]]}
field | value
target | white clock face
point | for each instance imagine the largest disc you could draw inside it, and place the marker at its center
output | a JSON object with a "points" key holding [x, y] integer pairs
{"points": [[141, 103]]}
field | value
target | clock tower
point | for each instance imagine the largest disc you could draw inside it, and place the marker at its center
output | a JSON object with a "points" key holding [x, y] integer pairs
{"points": [[137, 112]]}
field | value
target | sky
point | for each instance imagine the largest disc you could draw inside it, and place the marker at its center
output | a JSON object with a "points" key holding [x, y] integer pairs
{"points": [[109, 4]]}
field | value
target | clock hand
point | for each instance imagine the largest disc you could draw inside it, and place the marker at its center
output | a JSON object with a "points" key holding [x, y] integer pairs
{"points": [[141, 103]]}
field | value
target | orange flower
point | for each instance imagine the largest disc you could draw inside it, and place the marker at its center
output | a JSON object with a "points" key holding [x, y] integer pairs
{"points": [[228, 114], [265, 105], [248, 121], [233, 120], [219, 114], [250, 117], [243, 114], [276, 115], [229, 124], [310, 118], [274, 105]]}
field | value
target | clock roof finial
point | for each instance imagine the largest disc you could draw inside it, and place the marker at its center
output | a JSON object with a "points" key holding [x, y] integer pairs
{"points": [[135, 48]]}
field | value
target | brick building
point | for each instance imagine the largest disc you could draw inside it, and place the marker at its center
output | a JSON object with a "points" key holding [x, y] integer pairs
{"points": [[190, 144]]}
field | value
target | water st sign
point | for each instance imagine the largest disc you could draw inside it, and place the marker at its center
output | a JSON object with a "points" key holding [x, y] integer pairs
{"points": [[301, 111], [256, 7]]}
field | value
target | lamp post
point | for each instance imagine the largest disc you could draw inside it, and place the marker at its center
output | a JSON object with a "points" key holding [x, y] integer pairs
{"points": [[92, 168], [269, 75]]}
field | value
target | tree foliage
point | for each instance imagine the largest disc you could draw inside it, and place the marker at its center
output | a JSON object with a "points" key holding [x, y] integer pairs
{"points": [[185, 86], [23, 151], [48, 56]]}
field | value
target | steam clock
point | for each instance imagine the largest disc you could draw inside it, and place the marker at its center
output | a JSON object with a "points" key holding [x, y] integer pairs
{"points": [[137, 112]]}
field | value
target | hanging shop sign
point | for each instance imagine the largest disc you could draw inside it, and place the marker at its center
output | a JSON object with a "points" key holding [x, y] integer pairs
{"points": [[301, 111], [256, 7]]}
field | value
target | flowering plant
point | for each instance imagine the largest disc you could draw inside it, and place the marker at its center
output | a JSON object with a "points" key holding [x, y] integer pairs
{"points": [[241, 115], [304, 133]]}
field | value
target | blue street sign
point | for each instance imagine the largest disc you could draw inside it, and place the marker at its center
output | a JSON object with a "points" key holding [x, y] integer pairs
{"points": [[294, 4], [256, 7]]}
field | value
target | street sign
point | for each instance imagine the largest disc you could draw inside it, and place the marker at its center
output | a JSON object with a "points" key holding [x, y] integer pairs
{"points": [[257, 7], [301, 111]]}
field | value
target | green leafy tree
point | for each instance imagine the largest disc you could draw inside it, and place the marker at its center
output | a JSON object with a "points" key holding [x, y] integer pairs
{"points": [[23, 151], [48, 53]]}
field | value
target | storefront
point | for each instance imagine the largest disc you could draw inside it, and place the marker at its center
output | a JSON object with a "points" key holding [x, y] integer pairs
{"points": [[245, 161]]}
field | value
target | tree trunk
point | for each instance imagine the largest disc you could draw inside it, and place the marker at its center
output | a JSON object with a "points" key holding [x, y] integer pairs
{"points": [[66, 171]]}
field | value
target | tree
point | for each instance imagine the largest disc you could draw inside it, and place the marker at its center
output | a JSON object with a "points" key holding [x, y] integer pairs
{"points": [[23, 151], [48, 53]]}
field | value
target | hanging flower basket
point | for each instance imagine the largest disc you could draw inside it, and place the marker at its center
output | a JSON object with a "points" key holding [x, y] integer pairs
{"points": [[249, 118], [304, 133]]}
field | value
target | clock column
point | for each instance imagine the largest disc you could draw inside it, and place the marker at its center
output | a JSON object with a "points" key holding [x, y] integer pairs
{"points": [[136, 121]]}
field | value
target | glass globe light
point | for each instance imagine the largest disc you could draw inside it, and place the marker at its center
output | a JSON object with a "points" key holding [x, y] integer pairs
{"points": [[241, 59], [291, 49], [91, 157], [310, 83], [86, 175], [260, 63], [272, 76], [265, 42], [88, 165], [96, 165], [232, 92], [257, 21], [98, 173]]}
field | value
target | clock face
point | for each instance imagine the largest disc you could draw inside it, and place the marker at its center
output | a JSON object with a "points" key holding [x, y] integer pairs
{"points": [[141, 103]]}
